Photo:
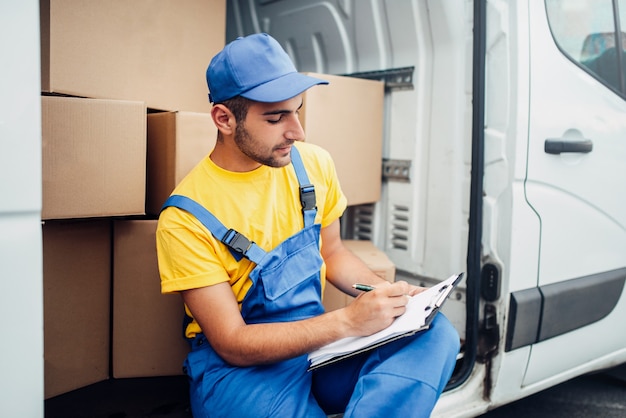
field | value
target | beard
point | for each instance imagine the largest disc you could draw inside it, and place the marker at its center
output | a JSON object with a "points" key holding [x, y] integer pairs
{"points": [[252, 149]]}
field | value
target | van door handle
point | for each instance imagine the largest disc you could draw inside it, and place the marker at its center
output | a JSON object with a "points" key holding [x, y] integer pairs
{"points": [[557, 146]]}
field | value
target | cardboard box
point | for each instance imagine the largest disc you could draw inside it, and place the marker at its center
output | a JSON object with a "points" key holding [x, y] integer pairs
{"points": [[177, 141], [77, 283], [155, 51], [346, 118], [147, 326], [374, 258], [94, 157]]}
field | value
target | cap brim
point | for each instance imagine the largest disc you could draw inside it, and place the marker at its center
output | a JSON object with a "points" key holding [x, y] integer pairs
{"points": [[282, 88]]}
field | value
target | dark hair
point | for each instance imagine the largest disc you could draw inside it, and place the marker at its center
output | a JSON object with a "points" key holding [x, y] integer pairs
{"points": [[239, 106]]}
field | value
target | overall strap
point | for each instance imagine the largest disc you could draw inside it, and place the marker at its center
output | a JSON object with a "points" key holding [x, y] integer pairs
{"points": [[307, 190], [238, 244]]}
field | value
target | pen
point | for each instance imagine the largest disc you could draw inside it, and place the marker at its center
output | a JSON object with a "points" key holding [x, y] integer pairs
{"points": [[363, 287]]}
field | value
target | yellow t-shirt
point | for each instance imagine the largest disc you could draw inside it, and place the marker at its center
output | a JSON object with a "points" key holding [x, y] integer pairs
{"points": [[263, 204]]}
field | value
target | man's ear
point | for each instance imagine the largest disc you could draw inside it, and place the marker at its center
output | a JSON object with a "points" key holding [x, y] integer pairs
{"points": [[223, 119]]}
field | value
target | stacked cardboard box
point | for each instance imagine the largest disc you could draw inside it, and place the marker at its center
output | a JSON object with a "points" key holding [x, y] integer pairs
{"points": [[77, 283], [176, 143], [346, 118], [105, 67], [147, 326], [154, 51], [120, 55], [94, 157]]}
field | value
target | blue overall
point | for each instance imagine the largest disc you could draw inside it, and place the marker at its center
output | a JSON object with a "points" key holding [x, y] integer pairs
{"points": [[403, 378]]}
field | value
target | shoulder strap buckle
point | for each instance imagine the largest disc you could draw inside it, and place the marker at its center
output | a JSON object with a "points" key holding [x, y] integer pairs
{"points": [[237, 241], [307, 197]]}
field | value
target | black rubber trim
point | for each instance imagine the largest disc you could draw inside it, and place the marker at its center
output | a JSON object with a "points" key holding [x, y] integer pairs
{"points": [[474, 244], [545, 312], [524, 318], [572, 304]]}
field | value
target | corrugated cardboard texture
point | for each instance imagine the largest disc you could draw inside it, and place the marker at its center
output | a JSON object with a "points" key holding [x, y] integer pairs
{"points": [[77, 283], [94, 157], [155, 51], [374, 258], [346, 118], [147, 326], [177, 141]]}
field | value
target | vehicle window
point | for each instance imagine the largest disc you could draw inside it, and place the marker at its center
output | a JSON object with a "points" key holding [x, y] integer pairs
{"points": [[587, 32]]}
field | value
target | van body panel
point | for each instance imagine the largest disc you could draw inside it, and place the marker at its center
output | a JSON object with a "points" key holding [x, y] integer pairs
{"points": [[579, 197]]}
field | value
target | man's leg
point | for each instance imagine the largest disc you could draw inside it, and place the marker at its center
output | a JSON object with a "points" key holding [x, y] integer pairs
{"points": [[402, 378], [278, 390]]}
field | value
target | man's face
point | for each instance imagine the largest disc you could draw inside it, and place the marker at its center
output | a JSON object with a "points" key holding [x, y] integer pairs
{"points": [[269, 130]]}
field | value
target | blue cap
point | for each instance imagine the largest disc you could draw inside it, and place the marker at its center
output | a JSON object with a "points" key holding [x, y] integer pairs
{"points": [[257, 68]]}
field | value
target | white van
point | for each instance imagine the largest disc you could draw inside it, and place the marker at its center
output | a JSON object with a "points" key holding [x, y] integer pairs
{"points": [[507, 120]]}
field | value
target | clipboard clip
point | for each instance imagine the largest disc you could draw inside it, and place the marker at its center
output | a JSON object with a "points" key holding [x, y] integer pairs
{"points": [[442, 294], [437, 299]]}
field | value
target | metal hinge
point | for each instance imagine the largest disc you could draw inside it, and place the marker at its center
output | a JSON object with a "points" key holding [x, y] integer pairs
{"points": [[394, 78], [397, 170]]}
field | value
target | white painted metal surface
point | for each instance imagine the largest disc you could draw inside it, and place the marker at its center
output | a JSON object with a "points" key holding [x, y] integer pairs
{"points": [[21, 299]]}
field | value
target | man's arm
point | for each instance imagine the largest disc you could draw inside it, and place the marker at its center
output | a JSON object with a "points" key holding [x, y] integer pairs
{"points": [[216, 310]]}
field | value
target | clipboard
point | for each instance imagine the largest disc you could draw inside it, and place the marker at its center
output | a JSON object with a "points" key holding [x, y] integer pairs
{"points": [[421, 310]]}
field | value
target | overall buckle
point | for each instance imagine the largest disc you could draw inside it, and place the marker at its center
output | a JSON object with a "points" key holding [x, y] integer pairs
{"points": [[237, 241], [307, 197]]}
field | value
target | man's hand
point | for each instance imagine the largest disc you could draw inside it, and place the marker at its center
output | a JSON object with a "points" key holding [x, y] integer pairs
{"points": [[375, 310]]}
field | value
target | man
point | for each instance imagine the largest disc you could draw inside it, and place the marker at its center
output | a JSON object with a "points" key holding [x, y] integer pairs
{"points": [[249, 238]]}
